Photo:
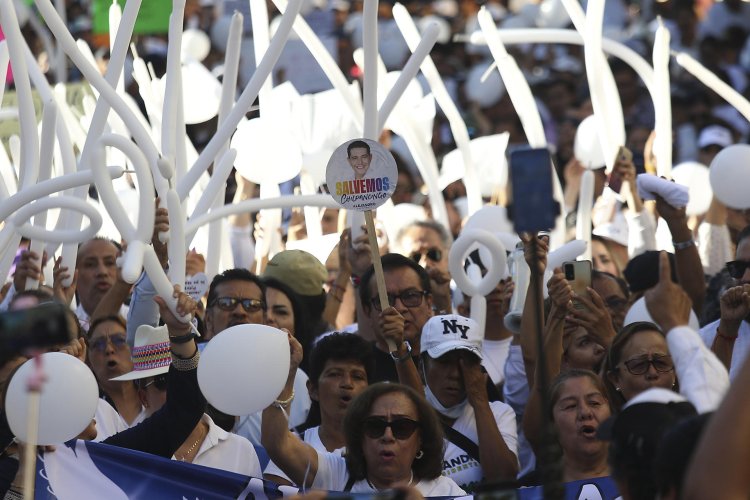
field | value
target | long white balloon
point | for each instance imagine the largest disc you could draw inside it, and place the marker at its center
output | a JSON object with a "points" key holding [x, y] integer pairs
{"points": [[407, 74], [458, 126], [497, 269], [585, 203], [713, 82], [662, 105], [246, 99], [63, 235], [215, 187], [370, 80], [4, 60]]}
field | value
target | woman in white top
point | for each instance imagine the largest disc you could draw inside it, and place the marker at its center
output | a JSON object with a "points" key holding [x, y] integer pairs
{"points": [[393, 439]]}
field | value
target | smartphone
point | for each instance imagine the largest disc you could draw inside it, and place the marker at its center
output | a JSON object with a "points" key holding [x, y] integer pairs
{"points": [[532, 208], [578, 273], [614, 182], [37, 327]]}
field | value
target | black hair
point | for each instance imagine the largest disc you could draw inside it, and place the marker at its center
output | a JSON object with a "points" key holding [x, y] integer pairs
{"points": [[430, 466], [445, 237], [40, 294], [391, 261], [235, 274], [605, 275], [114, 318], [674, 453], [341, 346], [357, 144]]}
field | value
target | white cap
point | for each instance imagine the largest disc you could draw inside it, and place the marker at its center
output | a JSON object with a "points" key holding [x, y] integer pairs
{"points": [[449, 332], [715, 135], [656, 395]]}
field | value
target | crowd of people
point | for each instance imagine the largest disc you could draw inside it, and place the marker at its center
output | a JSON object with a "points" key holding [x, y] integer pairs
{"points": [[417, 395]]}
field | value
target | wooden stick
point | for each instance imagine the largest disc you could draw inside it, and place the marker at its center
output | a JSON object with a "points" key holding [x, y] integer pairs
{"points": [[29, 461], [379, 277]]}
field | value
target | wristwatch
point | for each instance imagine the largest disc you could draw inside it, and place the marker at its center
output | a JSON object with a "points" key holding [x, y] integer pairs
{"points": [[407, 354]]}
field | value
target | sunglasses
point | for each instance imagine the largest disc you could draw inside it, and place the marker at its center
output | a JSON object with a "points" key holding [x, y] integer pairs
{"points": [[662, 363], [401, 428], [159, 381], [229, 303], [737, 268], [100, 344], [433, 254], [410, 298]]}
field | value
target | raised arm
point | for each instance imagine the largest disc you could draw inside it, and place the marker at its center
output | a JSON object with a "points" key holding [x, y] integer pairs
{"points": [[296, 458], [735, 306], [535, 254]]}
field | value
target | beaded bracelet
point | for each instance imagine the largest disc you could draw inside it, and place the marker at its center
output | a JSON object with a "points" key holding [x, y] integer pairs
{"points": [[285, 403], [185, 365]]}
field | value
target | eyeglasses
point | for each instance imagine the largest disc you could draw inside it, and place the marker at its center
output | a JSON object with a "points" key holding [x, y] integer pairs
{"points": [[737, 268], [159, 381], [229, 303], [100, 343], [434, 254], [402, 428], [662, 363], [410, 298]]}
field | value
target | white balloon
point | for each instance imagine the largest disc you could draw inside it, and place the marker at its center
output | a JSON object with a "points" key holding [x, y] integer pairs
{"points": [[497, 266], [488, 154], [265, 152], [68, 399], [201, 93], [444, 33], [243, 369], [730, 176], [485, 93], [552, 14], [639, 312], [695, 176], [587, 148], [195, 44]]}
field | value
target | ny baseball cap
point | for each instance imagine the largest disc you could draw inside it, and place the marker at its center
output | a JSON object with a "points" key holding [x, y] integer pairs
{"points": [[442, 334]]}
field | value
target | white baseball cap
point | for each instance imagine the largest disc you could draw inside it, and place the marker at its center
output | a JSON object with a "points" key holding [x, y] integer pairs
{"points": [[715, 135], [448, 332]]}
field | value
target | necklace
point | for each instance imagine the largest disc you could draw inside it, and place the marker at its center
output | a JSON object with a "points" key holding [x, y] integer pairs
{"points": [[192, 447], [411, 479]]}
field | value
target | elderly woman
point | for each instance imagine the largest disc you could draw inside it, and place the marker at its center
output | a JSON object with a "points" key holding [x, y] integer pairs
{"points": [[481, 437], [579, 404], [393, 438]]}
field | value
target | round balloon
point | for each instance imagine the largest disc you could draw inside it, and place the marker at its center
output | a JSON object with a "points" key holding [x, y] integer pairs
{"points": [[201, 93], [730, 176], [361, 175], [195, 44], [68, 399], [639, 312], [265, 152], [485, 93], [695, 176], [587, 148], [243, 369]]}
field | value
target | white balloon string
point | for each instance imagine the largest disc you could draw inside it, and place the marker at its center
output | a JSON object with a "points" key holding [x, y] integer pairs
{"points": [[246, 99]]}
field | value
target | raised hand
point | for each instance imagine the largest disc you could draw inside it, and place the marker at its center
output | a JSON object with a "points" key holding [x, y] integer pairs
{"points": [[60, 274], [667, 303]]}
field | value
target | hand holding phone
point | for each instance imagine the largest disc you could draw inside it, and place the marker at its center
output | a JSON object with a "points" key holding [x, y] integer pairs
{"points": [[624, 160], [578, 273]]}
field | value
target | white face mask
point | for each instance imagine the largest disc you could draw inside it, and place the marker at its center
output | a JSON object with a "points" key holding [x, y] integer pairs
{"points": [[450, 412]]}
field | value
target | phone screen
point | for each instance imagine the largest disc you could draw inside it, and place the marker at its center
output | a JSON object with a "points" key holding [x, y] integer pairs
{"points": [[533, 208]]}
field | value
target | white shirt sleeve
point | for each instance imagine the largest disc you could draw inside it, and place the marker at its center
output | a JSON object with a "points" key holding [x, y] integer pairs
{"points": [[332, 474], [703, 378], [714, 247]]}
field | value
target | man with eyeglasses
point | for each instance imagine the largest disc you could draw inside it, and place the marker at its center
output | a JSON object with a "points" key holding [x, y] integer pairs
{"points": [[428, 243], [729, 337]]}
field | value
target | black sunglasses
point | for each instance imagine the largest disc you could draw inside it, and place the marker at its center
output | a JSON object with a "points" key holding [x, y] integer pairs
{"points": [[401, 428], [159, 381], [639, 366], [737, 268], [410, 298], [434, 254], [100, 344], [229, 303]]}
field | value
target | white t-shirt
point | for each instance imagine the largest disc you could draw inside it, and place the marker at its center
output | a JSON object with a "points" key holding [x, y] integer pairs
{"points": [[332, 476], [224, 450], [739, 351], [495, 355], [108, 421], [311, 437], [248, 426], [457, 464]]}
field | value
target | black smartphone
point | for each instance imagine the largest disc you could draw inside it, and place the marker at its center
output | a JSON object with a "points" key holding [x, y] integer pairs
{"points": [[39, 327], [532, 208]]}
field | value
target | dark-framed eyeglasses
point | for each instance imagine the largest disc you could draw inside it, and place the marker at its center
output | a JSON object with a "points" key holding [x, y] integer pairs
{"points": [[410, 298], [99, 344], [401, 428], [662, 363], [738, 268], [229, 303], [433, 254], [159, 381]]}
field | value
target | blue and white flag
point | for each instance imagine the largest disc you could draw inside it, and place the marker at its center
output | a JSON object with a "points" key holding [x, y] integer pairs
{"points": [[86, 470]]}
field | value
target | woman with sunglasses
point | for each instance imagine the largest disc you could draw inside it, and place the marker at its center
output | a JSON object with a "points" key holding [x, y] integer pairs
{"points": [[109, 357], [393, 438]]}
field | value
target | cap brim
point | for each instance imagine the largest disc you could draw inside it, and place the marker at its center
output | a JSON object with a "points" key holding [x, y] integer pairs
{"points": [[452, 345], [139, 374]]}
